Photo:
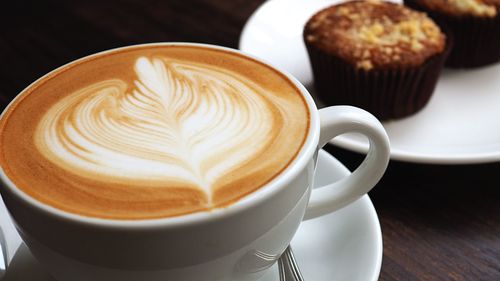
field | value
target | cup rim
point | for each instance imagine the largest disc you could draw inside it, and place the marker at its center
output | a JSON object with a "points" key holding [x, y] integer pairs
{"points": [[268, 190]]}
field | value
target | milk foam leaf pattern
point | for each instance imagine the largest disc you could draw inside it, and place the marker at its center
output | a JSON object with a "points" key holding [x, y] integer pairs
{"points": [[176, 123]]}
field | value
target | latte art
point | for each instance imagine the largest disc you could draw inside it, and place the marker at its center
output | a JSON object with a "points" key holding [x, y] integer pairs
{"points": [[152, 132], [179, 123]]}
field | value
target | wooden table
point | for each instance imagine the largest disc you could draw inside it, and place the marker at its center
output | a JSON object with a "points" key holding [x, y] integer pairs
{"points": [[438, 222]]}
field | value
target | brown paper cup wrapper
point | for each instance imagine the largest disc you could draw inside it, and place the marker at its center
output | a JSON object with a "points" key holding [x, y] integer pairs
{"points": [[387, 94], [476, 40]]}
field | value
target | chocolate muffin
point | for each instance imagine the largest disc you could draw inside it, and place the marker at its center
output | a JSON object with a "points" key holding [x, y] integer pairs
{"points": [[380, 56], [473, 25]]}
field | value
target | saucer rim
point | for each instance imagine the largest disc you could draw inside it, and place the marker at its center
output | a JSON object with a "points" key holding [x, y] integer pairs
{"points": [[399, 154], [372, 213]]}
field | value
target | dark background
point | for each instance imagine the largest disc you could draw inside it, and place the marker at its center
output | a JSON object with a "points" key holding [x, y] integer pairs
{"points": [[438, 222]]}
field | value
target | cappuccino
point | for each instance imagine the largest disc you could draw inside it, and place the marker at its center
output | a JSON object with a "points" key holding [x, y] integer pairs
{"points": [[152, 131]]}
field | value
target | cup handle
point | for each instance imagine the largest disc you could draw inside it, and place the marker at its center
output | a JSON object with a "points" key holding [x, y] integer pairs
{"points": [[337, 120]]}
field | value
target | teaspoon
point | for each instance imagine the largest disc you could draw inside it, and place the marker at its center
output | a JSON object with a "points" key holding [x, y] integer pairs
{"points": [[3, 255], [288, 267]]}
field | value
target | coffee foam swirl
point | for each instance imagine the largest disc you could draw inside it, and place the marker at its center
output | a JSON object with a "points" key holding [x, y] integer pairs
{"points": [[178, 123]]}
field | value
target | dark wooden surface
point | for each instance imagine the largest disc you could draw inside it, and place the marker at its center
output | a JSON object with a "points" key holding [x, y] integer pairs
{"points": [[438, 222]]}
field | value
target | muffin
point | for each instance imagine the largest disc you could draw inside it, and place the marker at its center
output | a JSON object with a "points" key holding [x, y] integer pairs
{"points": [[473, 25], [380, 56]]}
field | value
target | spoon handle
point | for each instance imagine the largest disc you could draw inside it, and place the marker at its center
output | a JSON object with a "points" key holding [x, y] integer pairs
{"points": [[288, 268], [3, 255]]}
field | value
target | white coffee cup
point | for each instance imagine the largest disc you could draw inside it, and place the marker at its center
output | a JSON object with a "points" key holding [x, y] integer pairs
{"points": [[239, 242]]}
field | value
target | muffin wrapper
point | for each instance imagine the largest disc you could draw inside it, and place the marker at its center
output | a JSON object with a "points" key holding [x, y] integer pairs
{"points": [[387, 94], [476, 40]]}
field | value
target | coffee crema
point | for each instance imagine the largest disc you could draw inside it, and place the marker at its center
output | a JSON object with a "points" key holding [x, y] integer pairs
{"points": [[152, 131]]}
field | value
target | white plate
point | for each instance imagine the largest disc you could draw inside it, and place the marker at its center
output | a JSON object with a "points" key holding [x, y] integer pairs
{"points": [[460, 125], [343, 246]]}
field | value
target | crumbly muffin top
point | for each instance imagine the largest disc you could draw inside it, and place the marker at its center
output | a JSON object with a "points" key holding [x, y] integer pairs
{"points": [[375, 34], [481, 8]]}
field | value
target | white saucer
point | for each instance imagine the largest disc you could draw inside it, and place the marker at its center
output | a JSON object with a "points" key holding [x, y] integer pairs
{"points": [[345, 245], [459, 125]]}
